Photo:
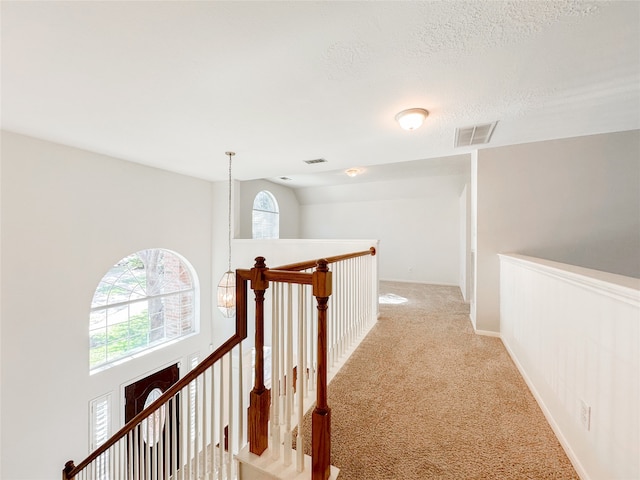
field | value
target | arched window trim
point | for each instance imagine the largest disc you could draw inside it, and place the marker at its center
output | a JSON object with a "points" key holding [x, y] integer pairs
{"points": [[101, 303], [268, 226]]}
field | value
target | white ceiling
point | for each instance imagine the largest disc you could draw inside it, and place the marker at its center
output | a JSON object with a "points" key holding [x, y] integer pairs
{"points": [[175, 84]]}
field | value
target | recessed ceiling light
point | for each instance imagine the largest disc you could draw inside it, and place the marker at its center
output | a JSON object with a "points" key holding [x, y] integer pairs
{"points": [[352, 172], [412, 118]]}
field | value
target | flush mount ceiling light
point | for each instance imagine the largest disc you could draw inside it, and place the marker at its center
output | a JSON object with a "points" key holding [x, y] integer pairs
{"points": [[352, 172], [412, 118]]}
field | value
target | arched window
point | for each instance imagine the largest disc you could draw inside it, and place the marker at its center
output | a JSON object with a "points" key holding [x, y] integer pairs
{"points": [[147, 299], [266, 219]]}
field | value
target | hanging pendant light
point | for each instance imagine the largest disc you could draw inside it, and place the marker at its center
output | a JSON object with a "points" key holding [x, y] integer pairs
{"points": [[227, 285]]}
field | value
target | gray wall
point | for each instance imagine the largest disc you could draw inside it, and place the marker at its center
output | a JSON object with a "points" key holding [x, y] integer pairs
{"points": [[574, 201]]}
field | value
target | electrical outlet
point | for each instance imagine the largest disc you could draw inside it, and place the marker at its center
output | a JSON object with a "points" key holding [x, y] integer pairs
{"points": [[585, 415]]}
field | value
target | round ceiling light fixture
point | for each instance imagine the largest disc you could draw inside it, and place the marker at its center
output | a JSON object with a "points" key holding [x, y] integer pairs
{"points": [[412, 118], [352, 172]]}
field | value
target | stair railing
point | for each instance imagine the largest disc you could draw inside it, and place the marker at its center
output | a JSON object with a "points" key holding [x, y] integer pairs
{"points": [[192, 429], [304, 347], [186, 433]]}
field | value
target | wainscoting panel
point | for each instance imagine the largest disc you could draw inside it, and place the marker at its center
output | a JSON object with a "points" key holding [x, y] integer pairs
{"points": [[574, 333]]}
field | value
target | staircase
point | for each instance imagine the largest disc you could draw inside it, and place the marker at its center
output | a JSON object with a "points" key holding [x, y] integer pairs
{"points": [[210, 426]]}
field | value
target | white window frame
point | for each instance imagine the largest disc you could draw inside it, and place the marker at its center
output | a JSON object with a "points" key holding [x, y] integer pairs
{"points": [[103, 310], [265, 224]]}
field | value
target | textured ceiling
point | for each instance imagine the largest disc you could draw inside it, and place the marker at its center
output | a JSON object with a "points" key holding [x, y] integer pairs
{"points": [[176, 84]]}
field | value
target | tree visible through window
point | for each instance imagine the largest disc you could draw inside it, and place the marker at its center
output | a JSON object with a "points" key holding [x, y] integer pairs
{"points": [[266, 219], [145, 300]]}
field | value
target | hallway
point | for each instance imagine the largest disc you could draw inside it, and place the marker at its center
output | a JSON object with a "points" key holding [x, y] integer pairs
{"points": [[423, 397]]}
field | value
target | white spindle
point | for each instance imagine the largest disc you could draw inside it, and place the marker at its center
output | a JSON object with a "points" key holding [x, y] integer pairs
{"points": [[151, 450], [204, 424], [212, 427], [288, 379], [140, 452], [314, 335], [241, 408], [275, 372], [305, 335], [300, 383], [221, 424], [174, 437], [282, 367], [230, 419], [338, 294], [166, 440]]}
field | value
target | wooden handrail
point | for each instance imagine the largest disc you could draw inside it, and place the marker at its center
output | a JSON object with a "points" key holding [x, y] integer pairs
{"points": [[313, 263]]}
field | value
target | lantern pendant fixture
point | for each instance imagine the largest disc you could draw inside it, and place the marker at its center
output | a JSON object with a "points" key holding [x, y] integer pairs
{"points": [[227, 285]]}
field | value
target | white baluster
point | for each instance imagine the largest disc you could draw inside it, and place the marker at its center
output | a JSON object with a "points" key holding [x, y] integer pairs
{"points": [[166, 441], [275, 372], [240, 400], [174, 466], [300, 383], [212, 428], [305, 334], [203, 428], [289, 379], [153, 449], [230, 419], [283, 370], [221, 424], [338, 293]]}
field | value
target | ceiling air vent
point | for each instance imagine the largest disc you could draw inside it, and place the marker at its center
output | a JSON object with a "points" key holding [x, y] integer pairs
{"points": [[476, 135], [286, 179], [317, 160]]}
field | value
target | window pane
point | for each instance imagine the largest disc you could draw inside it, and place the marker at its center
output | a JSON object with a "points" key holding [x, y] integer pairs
{"points": [[152, 293], [265, 216], [265, 201], [98, 346]]}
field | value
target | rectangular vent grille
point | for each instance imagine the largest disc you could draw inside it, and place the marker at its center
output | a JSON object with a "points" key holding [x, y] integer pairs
{"points": [[317, 160], [476, 135]]}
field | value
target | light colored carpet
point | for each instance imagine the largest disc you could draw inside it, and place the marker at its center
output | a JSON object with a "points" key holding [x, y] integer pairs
{"points": [[423, 397]]}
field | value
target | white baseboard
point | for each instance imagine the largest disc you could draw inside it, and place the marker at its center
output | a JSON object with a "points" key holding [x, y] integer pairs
{"points": [[488, 333], [552, 423]]}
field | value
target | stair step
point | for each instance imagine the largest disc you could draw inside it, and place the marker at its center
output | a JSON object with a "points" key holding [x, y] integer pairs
{"points": [[263, 467]]}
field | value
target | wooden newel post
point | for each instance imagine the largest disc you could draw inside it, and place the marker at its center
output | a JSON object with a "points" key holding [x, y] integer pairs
{"points": [[260, 397], [68, 468], [321, 417]]}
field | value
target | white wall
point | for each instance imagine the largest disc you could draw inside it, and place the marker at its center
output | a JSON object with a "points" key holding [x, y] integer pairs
{"points": [[575, 201], [415, 220], [67, 216], [464, 246], [574, 333], [287, 203]]}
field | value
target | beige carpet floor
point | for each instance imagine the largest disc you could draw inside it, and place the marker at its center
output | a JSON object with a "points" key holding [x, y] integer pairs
{"points": [[423, 397]]}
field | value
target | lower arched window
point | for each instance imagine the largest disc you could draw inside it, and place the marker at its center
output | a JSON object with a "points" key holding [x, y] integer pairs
{"points": [[266, 218], [145, 300]]}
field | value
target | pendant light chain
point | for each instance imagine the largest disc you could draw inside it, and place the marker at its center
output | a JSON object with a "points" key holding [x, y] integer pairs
{"points": [[231, 154], [227, 286]]}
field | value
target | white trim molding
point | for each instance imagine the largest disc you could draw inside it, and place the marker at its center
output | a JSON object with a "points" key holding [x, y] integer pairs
{"points": [[574, 334]]}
